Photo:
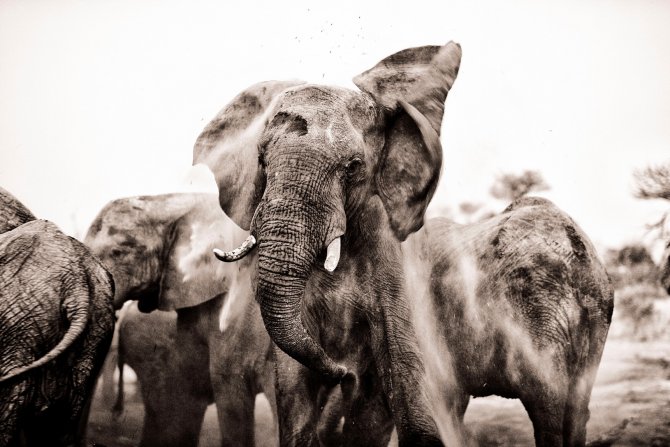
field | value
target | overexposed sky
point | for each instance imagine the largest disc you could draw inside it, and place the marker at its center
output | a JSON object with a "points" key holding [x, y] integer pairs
{"points": [[100, 100]]}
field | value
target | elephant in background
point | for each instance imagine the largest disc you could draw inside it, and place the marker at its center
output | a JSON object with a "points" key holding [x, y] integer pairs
{"points": [[402, 320], [159, 250], [56, 321], [522, 306]]}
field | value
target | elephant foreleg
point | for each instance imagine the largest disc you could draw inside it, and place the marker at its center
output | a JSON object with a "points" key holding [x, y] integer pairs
{"points": [[546, 404], [298, 414], [235, 409], [177, 427], [369, 423]]}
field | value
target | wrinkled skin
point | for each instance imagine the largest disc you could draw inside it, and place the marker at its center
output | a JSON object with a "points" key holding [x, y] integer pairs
{"points": [[301, 165], [159, 249], [521, 306], [665, 269], [12, 212], [55, 303]]}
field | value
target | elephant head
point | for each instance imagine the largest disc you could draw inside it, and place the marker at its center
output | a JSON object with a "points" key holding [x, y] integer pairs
{"points": [[299, 164], [158, 248]]}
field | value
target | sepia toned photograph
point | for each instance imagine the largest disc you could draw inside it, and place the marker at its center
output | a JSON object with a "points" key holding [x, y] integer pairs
{"points": [[287, 224]]}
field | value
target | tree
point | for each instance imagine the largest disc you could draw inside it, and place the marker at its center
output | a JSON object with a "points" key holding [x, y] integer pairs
{"points": [[468, 210], [653, 182], [513, 186], [634, 254]]}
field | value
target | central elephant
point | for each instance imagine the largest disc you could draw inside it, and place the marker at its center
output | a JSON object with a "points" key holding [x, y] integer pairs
{"points": [[329, 181], [401, 321]]}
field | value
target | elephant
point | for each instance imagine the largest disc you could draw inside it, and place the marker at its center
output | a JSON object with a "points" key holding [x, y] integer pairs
{"points": [[56, 325], [158, 249], [362, 300]]}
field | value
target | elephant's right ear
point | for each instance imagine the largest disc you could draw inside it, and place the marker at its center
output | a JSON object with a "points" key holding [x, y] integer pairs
{"points": [[228, 146], [411, 87]]}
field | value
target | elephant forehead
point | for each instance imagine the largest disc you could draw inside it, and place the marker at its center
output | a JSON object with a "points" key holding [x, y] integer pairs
{"points": [[326, 107]]}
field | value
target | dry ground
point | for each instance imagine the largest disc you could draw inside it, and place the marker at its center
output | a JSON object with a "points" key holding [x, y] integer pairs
{"points": [[630, 404]]}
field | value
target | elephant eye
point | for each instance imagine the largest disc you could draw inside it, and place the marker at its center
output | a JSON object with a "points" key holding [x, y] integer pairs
{"points": [[261, 159], [353, 167], [115, 252]]}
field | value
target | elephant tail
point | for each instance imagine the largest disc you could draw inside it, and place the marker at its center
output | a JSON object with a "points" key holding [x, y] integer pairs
{"points": [[77, 312], [118, 405]]}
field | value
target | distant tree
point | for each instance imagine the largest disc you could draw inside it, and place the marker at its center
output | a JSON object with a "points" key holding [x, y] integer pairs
{"points": [[634, 254], [469, 208], [513, 186], [653, 182], [631, 264]]}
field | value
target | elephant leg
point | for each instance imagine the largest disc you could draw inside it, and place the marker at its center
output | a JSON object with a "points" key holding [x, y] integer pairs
{"points": [[235, 409], [13, 401], [233, 387], [459, 405], [577, 409], [176, 391], [547, 400], [107, 378], [175, 419], [369, 423], [296, 394], [546, 413], [265, 383]]}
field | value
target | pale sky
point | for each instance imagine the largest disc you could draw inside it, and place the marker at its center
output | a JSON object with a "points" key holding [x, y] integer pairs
{"points": [[100, 100]]}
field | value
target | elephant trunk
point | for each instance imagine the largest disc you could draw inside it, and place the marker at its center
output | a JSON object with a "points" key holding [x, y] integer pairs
{"points": [[284, 265]]}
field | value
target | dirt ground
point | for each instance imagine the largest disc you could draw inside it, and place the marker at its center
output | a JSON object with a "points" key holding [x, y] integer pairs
{"points": [[630, 404]]}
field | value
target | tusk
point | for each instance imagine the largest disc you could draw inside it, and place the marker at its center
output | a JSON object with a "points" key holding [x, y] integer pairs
{"points": [[238, 253], [332, 255]]}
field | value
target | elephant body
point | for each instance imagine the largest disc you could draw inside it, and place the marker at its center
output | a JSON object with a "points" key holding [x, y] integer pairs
{"points": [[159, 249], [521, 306], [56, 325], [361, 298]]}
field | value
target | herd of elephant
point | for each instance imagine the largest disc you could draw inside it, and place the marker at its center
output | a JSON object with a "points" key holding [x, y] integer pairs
{"points": [[352, 314]]}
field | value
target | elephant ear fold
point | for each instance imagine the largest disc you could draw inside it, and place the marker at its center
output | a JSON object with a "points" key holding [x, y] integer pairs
{"points": [[411, 86], [228, 146], [191, 275]]}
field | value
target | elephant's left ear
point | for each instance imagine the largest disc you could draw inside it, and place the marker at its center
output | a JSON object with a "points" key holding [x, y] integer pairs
{"points": [[411, 86], [229, 147]]}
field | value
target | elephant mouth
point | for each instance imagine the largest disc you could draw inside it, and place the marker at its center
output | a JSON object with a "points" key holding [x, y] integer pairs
{"points": [[330, 264], [148, 304], [147, 300]]}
